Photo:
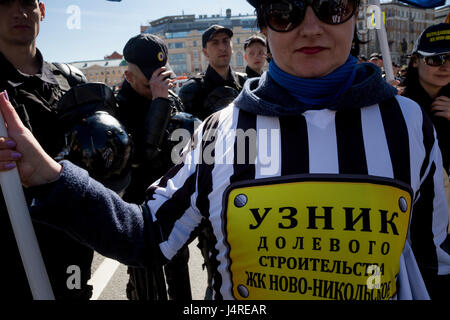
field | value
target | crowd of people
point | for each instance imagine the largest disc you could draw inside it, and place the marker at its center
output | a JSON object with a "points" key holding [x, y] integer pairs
{"points": [[355, 168], [398, 70]]}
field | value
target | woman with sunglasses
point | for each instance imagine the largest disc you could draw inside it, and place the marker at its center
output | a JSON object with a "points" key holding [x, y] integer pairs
{"points": [[427, 82], [318, 182]]}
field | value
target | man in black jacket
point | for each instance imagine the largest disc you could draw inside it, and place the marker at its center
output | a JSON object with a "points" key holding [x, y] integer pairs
{"points": [[34, 87], [219, 85], [146, 107]]}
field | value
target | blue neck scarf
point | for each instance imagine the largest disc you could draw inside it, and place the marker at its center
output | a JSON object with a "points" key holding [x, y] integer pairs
{"points": [[317, 92]]}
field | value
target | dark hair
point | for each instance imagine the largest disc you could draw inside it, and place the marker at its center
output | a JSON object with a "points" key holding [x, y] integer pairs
{"points": [[260, 22], [354, 51], [412, 74]]}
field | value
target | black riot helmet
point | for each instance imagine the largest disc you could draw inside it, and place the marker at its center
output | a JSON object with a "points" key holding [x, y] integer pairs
{"points": [[219, 98], [95, 140]]}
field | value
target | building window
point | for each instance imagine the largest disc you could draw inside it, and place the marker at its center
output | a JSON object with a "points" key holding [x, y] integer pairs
{"points": [[239, 60], [238, 40], [176, 45], [178, 62], [196, 55], [194, 43]]}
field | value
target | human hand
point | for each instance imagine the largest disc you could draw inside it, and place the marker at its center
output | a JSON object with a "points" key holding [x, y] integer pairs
{"points": [[160, 83], [441, 107], [396, 85], [23, 151]]}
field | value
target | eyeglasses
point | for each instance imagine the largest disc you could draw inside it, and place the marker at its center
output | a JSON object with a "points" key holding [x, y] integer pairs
{"points": [[284, 15], [437, 60], [257, 54]]}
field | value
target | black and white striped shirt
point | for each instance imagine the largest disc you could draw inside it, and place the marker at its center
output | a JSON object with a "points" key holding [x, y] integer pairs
{"points": [[392, 140]]}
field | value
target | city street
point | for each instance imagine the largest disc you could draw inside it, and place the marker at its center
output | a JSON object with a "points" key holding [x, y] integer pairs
{"points": [[109, 277]]}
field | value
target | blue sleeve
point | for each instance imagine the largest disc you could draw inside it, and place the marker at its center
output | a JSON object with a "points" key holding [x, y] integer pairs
{"points": [[95, 216]]}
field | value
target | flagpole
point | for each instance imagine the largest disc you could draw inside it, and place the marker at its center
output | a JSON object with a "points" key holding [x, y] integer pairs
{"points": [[24, 231], [384, 46]]}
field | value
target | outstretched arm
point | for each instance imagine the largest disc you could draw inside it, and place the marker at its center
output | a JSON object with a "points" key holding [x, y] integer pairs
{"points": [[67, 198]]}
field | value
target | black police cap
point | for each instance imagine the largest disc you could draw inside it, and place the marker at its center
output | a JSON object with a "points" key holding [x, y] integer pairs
{"points": [[253, 39], [211, 31], [147, 51]]}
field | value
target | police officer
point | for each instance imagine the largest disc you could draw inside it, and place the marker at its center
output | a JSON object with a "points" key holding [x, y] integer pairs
{"points": [[146, 105], [35, 87], [255, 54], [219, 85]]}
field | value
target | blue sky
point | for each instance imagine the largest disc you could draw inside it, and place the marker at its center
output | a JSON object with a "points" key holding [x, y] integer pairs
{"points": [[106, 26]]}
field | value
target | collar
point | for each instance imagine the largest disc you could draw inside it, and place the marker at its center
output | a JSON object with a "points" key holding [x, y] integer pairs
{"points": [[251, 73], [264, 96], [16, 78], [416, 92], [217, 79], [127, 94]]}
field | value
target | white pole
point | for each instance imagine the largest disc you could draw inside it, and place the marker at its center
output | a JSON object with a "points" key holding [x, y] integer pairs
{"points": [[384, 46], [24, 232]]}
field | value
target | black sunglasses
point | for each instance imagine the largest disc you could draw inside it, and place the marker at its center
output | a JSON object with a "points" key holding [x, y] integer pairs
{"points": [[285, 15], [436, 61]]}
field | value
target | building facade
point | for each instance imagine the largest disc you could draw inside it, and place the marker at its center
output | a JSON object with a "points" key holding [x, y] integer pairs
{"points": [[183, 37], [109, 71], [440, 14], [403, 23]]}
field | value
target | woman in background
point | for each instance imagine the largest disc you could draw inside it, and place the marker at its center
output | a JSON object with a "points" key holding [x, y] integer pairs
{"points": [[427, 83]]}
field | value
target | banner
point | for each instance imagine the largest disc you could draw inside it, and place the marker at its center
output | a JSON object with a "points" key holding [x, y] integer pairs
{"points": [[425, 3], [332, 238]]}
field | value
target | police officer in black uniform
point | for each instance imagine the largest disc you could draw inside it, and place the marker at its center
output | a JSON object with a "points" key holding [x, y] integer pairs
{"points": [[219, 85], [147, 108], [34, 87]]}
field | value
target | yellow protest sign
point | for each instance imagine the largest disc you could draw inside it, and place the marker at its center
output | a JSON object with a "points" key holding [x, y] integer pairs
{"points": [[328, 238]]}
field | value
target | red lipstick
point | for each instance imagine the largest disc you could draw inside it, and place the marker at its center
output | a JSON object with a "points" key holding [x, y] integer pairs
{"points": [[311, 50]]}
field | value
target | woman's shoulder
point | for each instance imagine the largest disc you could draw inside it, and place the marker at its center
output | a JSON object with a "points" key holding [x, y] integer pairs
{"points": [[408, 102], [414, 115], [409, 107]]}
